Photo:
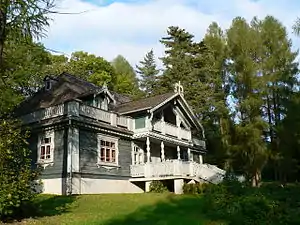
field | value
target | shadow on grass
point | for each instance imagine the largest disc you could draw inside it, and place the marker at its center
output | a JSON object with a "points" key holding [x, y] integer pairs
{"points": [[51, 205], [42, 206], [174, 210], [266, 205]]}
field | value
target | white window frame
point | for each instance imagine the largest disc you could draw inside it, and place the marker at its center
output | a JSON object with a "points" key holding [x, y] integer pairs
{"points": [[116, 143], [44, 135]]}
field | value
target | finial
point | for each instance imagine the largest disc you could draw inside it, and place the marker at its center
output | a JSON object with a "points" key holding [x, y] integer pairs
{"points": [[178, 88]]}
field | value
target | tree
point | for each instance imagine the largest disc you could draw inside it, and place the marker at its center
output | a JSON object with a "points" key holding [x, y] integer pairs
{"points": [[279, 72], [148, 72], [91, 68], [177, 60], [26, 61], [219, 126], [126, 81], [16, 175], [296, 27], [244, 51], [20, 22]]}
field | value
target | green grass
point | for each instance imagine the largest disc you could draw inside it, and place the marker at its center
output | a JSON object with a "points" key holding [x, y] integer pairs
{"points": [[120, 209]]}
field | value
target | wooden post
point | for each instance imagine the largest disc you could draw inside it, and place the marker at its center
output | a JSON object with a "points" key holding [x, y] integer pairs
{"points": [[189, 154], [148, 149], [162, 147], [200, 159]]}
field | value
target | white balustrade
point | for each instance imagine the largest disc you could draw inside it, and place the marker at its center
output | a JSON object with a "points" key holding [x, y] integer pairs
{"points": [[185, 134], [43, 114], [171, 168], [122, 121], [161, 169], [157, 126], [172, 130], [95, 113], [137, 170]]}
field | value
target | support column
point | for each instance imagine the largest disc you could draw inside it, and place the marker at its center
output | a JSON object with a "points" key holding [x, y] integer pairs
{"points": [[200, 159], [73, 183], [189, 154], [147, 186], [148, 149], [133, 160], [162, 148], [178, 152], [178, 186], [163, 128], [178, 126]]}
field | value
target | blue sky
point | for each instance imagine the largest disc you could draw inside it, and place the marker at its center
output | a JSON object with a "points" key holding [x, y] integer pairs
{"points": [[133, 27]]}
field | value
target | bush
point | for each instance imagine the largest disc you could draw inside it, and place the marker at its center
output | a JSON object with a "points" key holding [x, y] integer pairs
{"points": [[16, 175], [197, 188], [157, 186], [239, 204]]}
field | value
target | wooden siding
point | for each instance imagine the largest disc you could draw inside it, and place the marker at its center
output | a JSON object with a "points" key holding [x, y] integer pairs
{"points": [[59, 163], [88, 150]]}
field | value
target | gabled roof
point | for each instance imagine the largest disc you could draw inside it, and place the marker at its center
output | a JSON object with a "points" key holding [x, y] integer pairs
{"points": [[143, 104], [67, 87], [154, 103]]}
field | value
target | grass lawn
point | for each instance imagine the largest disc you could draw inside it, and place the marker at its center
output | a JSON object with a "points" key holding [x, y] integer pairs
{"points": [[120, 209]]}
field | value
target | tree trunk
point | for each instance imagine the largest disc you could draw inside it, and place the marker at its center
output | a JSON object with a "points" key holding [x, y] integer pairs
{"points": [[256, 179]]}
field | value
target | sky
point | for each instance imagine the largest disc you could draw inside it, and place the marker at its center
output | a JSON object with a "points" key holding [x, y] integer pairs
{"points": [[131, 28]]}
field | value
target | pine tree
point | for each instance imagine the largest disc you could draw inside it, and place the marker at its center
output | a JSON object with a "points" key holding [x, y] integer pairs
{"points": [[148, 72], [177, 60]]}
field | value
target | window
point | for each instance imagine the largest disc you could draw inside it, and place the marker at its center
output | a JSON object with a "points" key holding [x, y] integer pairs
{"points": [[108, 151], [140, 122], [46, 147]]}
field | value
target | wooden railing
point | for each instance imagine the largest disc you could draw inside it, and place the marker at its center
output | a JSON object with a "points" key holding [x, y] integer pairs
{"points": [[198, 142], [43, 114], [172, 130], [105, 116], [76, 108], [161, 169], [176, 168]]}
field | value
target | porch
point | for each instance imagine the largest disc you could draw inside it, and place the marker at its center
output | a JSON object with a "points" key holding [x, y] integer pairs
{"points": [[155, 159]]}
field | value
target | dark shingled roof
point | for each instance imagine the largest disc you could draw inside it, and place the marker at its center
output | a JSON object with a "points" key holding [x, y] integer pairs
{"points": [[67, 87], [143, 104]]}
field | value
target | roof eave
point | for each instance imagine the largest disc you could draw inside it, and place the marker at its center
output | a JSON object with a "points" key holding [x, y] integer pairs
{"points": [[163, 102], [133, 111]]}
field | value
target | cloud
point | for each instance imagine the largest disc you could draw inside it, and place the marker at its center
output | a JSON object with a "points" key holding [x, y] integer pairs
{"points": [[132, 27]]}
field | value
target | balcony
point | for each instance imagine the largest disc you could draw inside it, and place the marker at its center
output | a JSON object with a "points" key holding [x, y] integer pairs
{"points": [[177, 168], [172, 130], [106, 117], [76, 108]]}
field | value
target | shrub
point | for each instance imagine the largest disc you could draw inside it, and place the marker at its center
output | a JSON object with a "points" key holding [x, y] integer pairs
{"points": [[16, 175], [197, 188], [157, 186]]}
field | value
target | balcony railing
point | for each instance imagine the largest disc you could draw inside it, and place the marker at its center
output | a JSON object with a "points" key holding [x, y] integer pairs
{"points": [[172, 130], [44, 114], [177, 168], [76, 108]]}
